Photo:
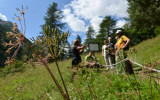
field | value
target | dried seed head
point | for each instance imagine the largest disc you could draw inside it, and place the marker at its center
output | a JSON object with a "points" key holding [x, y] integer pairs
{"points": [[23, 12], [20, 35], [9, 34], [5, 44], [18, 18], [15, 27], [10, 42], [9, 61], [9, 50]]}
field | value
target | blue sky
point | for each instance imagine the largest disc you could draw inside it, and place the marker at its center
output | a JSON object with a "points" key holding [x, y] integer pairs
{"points": [[78, 14]]}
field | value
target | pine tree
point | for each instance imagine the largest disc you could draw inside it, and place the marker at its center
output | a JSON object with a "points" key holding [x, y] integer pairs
{"points": [[53, 17], [53, 20], [79, 38], [89, 35], [107, 25]]}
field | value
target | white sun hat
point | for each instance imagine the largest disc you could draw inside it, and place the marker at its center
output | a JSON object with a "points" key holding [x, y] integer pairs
{"points": [[118, 31]]}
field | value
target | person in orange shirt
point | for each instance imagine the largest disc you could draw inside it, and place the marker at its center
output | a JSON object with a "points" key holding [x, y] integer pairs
{"points": [[121, 45]]}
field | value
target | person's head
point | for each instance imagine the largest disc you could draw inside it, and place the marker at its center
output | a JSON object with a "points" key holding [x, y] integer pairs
{"points": [[76, 42], [109, 39], [105, 42], [90, 53], [118, 33]]}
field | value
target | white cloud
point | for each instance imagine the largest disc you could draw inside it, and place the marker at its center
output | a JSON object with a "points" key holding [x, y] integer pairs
{"points": [[89, 8], [92, 11], [120, 23], [3, 17], [74, 34], [74, 22], [95, 22]]}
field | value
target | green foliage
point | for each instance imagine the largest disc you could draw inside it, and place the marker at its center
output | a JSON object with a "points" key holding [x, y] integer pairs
{"points": [[6, 26], [79, 38], [54, 41], [100, 39], [17, 66], [107, 25], [3, 29], [99, 85], [89, 35], [144, 17], [147, 51], [89, 84], [94, 84], [53, 20], [157, 30], [53, 17]]}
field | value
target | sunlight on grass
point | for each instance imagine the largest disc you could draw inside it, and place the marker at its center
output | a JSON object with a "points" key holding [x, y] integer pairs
{"points": [[35, 83]]}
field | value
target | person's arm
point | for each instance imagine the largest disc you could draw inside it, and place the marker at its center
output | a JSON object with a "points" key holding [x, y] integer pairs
{"points": [[88, 63], [116, 53], [127, 42], [81, 48]]}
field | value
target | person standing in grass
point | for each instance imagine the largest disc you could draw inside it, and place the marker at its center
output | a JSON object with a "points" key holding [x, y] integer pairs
{"points": [[76, 52], [121, 46], [111, 50], [107, 56]]}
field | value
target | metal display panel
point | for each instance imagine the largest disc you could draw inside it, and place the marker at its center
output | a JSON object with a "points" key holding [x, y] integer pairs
{"points": [[93, 47]]}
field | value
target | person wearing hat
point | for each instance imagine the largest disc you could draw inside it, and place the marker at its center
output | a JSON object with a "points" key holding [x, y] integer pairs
{"points": [[121, 45], [77, 50]]}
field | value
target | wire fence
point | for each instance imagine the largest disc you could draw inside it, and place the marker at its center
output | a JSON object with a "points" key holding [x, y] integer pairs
{"points": [[127, 59]]}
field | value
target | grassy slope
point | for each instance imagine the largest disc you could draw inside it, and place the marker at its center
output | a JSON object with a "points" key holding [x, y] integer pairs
{"points": [[31, 83], [147, 51], [37, 83]]}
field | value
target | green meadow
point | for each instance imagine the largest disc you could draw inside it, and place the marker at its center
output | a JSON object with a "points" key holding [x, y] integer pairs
{"points": [[35, 83]]}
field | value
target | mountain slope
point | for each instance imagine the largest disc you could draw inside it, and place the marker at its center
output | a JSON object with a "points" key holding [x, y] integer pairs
{"points": [[5, 26], [36, 83]]}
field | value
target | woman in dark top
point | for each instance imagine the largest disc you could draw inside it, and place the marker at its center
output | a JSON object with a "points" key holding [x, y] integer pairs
{"points": [[76, 52]]}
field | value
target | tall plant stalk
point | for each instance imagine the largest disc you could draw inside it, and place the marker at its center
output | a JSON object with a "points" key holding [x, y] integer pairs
{"points": [[19, 36], [50, 72], [62, 80], [53, 37], [130, 82]]}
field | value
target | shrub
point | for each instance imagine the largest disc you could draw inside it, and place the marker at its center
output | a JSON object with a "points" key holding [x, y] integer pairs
{"points": [[17, 66], [157, 30]]}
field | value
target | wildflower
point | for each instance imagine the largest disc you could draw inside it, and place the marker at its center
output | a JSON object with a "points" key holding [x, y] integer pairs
{"points": [[8, 51], [19, 18], [17, 35], [5, 44]]}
